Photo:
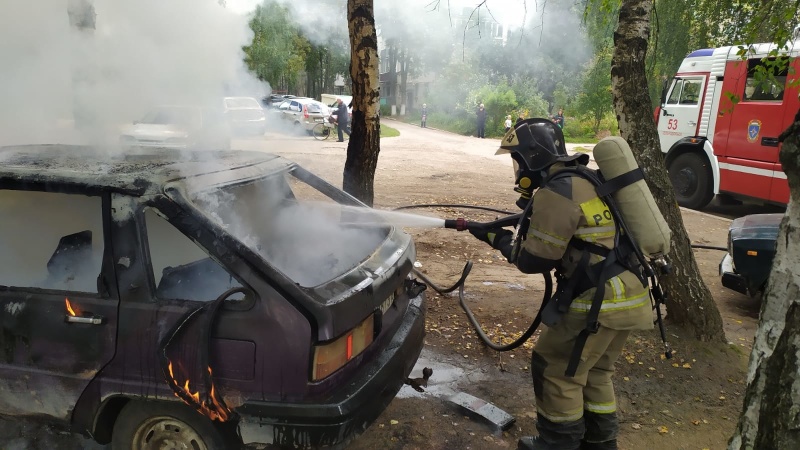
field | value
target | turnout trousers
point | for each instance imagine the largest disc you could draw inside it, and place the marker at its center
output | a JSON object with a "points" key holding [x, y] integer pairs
{"points": [[562, 399]]}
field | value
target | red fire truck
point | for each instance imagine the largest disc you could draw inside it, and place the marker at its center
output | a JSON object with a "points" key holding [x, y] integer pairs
{"points": [[714, 146]]}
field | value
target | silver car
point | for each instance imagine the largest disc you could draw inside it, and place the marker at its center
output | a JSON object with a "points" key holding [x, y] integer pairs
{"points": [[245, 116], [303, 113], [179, 127]]}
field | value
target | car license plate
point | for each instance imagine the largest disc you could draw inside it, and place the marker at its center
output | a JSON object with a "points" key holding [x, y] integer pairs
{"points": [[318, 120], [387, 303]]}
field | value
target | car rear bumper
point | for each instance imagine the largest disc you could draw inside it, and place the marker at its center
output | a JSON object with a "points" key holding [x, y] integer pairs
{"points": [[351, 410], [731, 279]]}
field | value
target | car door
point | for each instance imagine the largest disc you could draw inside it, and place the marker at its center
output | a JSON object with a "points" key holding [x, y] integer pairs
{"points": [[681, 112], [59, 299]]}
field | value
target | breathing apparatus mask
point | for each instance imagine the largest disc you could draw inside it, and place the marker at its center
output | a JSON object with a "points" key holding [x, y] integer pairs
{"points": [[535, 145]]}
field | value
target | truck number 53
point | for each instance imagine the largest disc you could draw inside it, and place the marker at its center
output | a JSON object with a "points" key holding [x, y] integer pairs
{"points": [[672, 124]]}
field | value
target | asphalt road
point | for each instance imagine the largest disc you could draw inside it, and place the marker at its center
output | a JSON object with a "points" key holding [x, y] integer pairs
{"points": [[287, 144]]}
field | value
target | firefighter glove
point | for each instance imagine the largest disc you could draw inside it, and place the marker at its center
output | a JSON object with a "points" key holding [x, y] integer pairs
{"points": [[493, 237]]}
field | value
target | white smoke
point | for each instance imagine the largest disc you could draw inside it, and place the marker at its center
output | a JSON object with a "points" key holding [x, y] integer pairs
{"points": [[60, 83]]}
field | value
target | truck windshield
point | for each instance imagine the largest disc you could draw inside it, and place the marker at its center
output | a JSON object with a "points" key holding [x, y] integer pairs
{"points": [[295, 227]]}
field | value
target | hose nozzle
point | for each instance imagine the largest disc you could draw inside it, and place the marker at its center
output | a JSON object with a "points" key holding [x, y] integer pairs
{"points": [[459, 224]]}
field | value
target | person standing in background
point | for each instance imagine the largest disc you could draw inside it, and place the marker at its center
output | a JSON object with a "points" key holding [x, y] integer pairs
{"points": [[342, 119], [559, 118], [481, 118], [424, 122], [508, 123]]}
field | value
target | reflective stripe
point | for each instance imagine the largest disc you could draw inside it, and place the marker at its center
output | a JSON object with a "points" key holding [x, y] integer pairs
{"points": [[553, 240], [561, 418], [595, 230], [612, 304], [600, 408]]}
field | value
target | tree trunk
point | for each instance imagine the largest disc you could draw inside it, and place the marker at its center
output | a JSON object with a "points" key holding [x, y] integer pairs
{"points": [[690, 302], [392, 43], [364, 145], [769, 417], [404, 64]]}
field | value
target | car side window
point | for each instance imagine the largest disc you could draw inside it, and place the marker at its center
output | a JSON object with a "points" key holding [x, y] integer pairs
{"points": [[50, 240], [691, 92], [181, 269], [295, 106], [675, 93], [765, 82]]}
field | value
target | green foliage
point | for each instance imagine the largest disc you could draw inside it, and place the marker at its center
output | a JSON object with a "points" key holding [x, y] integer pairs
{"points": [[595, 100], [277, 54], [499, 102]]}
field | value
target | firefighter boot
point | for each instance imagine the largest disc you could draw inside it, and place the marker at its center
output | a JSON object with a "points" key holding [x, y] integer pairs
{"points": [[554, 436], [601, 431]]}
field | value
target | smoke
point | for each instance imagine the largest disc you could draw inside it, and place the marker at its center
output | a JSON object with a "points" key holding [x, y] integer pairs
{"points": [[73, 71]]}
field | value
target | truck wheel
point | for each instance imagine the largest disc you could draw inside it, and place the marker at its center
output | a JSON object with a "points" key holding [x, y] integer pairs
{"points": [[157, 425], [691, 178]]}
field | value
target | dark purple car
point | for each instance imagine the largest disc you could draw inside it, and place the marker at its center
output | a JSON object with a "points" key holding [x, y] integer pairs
{"points": [[199, 298]]}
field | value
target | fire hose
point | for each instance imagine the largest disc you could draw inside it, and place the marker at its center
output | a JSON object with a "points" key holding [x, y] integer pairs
{"points": [[461, 224]]}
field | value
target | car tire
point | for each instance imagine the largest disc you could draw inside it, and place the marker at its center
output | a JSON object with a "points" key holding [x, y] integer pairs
{"points": [[690, 176], [145, 425]]}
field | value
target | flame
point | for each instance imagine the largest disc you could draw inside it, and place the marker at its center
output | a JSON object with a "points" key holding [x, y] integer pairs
{"points": [[214, 410], [69, 307]]}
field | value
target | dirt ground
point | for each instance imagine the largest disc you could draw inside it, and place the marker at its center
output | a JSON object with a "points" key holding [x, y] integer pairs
{"points": [[689, 402]]}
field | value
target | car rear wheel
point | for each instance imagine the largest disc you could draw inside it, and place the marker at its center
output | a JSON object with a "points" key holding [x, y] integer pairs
{"points": [[163, 425], [691, 178]]}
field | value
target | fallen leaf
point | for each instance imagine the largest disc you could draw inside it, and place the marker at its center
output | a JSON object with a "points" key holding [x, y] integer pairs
{"points": [[663, 430], [636, 426], [393, 422], [687, 366]]}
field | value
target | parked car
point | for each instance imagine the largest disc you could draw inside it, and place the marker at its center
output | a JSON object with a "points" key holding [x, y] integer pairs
{"points": [[194, 297], [274, 100], [245, 116], [179, 127], [751, 248], [303, 113]]}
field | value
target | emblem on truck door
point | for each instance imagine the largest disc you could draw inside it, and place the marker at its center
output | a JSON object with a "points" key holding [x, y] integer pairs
{"points": [[753, 129]]}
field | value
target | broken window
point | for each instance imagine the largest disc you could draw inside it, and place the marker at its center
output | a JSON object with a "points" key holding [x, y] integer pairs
{"points": [[50, 240], [181, 268]]}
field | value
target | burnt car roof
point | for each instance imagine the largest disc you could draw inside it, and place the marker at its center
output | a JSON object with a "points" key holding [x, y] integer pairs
{"points": [[136, 172]]}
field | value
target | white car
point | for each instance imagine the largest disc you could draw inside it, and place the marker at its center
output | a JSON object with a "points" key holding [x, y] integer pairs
{"points": [[179, 127], [245, 116], [303, 113]]}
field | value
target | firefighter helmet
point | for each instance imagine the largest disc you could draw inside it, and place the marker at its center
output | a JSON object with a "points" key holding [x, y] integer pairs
{"points": [[535, 144]]}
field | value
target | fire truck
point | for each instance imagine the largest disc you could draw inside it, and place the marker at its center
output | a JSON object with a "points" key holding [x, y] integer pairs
{"points": [[718, 126]]}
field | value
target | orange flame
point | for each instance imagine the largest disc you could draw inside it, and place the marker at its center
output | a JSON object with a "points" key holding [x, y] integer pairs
{"points": [[69, 307], [214, 411]]}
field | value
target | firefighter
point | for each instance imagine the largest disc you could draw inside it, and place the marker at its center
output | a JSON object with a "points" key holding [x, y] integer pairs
{"points": [[572, 231]]}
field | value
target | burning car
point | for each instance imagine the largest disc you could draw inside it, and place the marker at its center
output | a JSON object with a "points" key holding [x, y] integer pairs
{"points": [[168, 296]]}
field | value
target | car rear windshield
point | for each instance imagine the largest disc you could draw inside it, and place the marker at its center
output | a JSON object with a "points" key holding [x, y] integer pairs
{"points": [[316, 108], [295, 227]]}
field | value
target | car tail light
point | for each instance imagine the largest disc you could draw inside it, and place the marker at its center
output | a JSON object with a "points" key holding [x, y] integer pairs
{"points": [[330, 357], [656, 114], [305, 111]]}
